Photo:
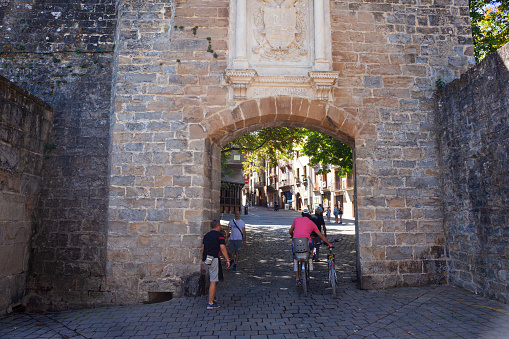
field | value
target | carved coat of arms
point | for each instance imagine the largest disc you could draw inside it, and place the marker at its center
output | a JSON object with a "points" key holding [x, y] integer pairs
{"points": [[280, 31]]}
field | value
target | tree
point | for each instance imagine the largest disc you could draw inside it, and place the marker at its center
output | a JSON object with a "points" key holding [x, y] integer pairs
{"points": [[266, 145], [271, 145], [490, 26], [324, 149]]}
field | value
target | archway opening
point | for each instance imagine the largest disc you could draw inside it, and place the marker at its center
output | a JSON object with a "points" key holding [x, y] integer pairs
{"points": [[271, 193]]}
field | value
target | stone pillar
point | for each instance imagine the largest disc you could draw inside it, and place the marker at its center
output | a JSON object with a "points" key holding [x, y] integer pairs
{"points": [[240, 61], [321, 63]]}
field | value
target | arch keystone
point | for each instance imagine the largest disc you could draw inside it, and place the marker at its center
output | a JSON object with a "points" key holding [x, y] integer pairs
{"points": [[283, 108]]}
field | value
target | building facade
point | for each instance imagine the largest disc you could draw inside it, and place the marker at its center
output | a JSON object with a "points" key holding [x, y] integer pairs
{"points": [[293, 184]]}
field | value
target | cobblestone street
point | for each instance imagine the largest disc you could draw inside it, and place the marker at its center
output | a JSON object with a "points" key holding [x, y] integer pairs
{"points": [[260, 300]]}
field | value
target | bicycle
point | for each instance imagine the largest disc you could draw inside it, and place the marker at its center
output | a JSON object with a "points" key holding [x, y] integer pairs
{"points": [[331, 263], [301, 255]]}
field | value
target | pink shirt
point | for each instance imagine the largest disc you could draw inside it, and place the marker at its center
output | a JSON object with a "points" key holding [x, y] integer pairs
{"points": [[303, 228]]}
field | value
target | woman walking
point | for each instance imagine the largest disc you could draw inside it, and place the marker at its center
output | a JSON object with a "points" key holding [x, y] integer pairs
{"points": [[336, 212]]}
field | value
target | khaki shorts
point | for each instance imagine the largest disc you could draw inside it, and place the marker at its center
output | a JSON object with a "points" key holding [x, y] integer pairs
{"points": [[213, 270]]}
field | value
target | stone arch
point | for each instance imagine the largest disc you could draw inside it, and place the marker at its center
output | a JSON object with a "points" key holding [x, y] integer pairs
{"points": [[228, 124]]}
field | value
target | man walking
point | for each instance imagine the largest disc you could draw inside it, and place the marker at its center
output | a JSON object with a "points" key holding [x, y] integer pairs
{"points": [[236, 238], [213, 245]]}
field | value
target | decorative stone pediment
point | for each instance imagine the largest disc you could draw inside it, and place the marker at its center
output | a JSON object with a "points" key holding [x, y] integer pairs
{"points": [[248, 84], [280, 47]]}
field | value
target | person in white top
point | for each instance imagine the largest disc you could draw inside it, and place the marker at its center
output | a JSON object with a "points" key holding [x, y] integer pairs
{"points": [[236, 237]]}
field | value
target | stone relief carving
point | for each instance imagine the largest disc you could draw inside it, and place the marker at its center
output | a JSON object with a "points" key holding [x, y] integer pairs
{"points": [[280, 30], [281, 47]]}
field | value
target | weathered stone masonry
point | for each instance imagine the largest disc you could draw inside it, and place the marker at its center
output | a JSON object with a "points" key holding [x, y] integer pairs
{"points": [[172, 101], [25, 126], [473, 128], [62, 52], [116, 226]]}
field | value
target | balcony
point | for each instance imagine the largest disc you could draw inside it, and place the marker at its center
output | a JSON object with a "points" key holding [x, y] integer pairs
{"points": [[285, 184], [271, 188]]}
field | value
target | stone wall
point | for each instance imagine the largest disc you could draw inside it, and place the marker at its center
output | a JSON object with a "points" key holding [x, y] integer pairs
{"points": [[172, 115], [117, 236], [25, 126], [62, 52], [472, 118]]}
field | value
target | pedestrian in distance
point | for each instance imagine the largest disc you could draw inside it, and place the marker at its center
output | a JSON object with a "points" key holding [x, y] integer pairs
{"points": [[328, 213], [317, 219], [336, 212], [302, 227], [236, 236], [213, 244], [341, 215]]}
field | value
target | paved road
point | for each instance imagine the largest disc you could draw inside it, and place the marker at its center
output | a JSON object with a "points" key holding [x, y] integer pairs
{"points": [[260, 301]]}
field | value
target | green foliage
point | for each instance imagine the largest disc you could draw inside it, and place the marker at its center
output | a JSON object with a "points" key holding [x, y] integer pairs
{"points": [[490, 26], [271, 145], [439, 83], [324, 149], [268, 145]]}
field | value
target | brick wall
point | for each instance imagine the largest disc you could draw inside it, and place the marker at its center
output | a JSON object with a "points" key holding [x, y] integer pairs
{"points": [[472, 118], [62, 52], [25, 126]]}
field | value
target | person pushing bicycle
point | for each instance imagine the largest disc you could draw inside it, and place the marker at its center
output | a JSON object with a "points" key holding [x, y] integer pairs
{"points": [[303, 227]]}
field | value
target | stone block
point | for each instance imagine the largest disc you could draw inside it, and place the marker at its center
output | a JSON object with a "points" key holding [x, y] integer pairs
{"points": [[14, 259], [384, 239], [251, 111], [192, 240], [146, 255], [158, 214], [399, 253], [317, 112], [372, 253], [369, 282], [406, 267], [181, 158], [283, 107], [12, 207], [373, 81]]}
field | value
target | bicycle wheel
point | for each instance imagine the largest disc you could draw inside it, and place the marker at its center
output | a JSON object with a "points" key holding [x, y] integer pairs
{"points": [[304, 277], [332, 278]]}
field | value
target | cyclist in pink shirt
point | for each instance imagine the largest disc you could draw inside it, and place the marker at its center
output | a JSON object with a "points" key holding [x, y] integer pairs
{"points": [[302, 227]]}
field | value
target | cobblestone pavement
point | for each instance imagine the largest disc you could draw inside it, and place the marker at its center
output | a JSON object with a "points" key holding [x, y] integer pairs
{"points": [[260, 300]]}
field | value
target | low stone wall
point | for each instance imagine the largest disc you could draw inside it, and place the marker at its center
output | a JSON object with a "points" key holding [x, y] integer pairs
{"points": [[25, 123], [472, 115]]}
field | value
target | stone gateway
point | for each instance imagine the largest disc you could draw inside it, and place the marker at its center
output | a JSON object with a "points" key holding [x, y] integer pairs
{"points": [[145, 93]]}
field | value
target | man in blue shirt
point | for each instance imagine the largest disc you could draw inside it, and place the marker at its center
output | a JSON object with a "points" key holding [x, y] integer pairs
{"points": [[213, 245]]}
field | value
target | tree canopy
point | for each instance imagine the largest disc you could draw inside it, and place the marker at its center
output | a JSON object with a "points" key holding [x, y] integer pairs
{"points": [[272, 145], [490, 26]]}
